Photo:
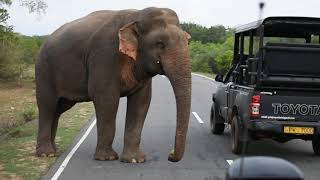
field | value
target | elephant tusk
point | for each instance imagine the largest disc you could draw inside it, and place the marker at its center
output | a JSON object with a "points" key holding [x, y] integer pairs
{"points": [[158, 62]]}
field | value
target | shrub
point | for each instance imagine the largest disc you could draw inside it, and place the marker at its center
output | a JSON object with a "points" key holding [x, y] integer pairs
{"points": [[29, 113], [223, 61]]}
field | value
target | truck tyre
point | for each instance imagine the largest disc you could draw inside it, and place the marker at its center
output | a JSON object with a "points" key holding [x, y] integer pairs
{"points": [[216, 122], [236, 143], [316, 145]]}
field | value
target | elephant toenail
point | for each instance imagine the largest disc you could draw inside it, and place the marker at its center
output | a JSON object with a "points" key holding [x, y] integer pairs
{"points": [[134, 161], [51, 155]]}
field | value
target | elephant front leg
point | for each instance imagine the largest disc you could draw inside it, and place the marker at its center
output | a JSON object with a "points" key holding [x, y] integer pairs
{"points": [[106, 111], [137, 108]]}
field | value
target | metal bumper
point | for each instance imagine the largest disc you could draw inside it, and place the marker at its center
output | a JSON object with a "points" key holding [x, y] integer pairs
{"points": [[276, 127]]}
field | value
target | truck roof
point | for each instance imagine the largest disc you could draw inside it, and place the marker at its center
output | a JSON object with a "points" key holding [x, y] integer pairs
{"points": [[286, 26]]}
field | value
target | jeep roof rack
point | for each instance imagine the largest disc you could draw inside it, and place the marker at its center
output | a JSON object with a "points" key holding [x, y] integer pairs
{"points": [[295, 27]]}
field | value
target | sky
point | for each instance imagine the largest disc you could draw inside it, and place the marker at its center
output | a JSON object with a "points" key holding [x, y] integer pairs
{"points": [[229, 13]]}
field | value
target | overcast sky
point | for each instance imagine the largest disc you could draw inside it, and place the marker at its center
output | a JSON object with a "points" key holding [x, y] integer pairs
{"points": [[205, 12]]}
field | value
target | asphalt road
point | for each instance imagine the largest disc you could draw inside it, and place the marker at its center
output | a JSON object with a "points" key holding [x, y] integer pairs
{"points": [[206, 154]]}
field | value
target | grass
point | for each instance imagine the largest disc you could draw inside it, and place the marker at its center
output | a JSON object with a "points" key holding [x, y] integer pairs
{"points": [[17, 108], [17, 151], [15, 100], [210, 75], [29, 113]]}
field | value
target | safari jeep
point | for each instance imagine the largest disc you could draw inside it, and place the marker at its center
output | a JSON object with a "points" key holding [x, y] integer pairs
{"points": [[272, 89]]}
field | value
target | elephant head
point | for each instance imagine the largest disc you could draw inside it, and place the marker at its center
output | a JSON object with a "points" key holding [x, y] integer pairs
{"points": [[157, 44]]}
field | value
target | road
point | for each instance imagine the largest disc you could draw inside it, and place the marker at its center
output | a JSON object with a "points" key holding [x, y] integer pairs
{"points": [[206, 155]]}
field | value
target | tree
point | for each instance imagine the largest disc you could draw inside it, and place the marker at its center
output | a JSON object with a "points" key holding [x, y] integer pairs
{"points": [[16, 52], [214, 34], [211, 49], [37, 6], [223, 61]]}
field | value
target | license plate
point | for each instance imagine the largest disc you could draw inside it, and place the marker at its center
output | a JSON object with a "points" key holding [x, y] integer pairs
{"points": [[298, 130]]}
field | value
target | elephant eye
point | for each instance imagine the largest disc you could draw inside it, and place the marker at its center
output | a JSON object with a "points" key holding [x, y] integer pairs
{"points": [[160, 44]]}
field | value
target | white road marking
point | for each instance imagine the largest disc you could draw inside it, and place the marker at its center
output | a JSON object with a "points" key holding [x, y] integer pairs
{"points": [[197, 117], [74, 149], [203, 76], [229, 162]]}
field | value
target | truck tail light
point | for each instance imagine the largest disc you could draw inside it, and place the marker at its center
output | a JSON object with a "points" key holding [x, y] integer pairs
{"points": [[255, 106]]}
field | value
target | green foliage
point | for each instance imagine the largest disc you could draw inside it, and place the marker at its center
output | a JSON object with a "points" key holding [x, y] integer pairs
{"points": [[211, 49], [16, 54], [6, 2], [211, 57], [30, 47], [223, 61], [29, 113], [16, 51], [214, 34], [9, 56]]}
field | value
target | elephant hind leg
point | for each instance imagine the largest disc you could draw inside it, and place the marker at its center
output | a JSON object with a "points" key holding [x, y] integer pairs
{"points": [[47, 116], [63, 106]]}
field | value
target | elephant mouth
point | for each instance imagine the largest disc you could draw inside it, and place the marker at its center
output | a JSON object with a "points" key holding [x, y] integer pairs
{"points": [[157, 69], [161, 71]]}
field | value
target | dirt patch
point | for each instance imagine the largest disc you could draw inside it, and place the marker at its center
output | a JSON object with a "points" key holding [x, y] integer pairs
{"points": [[14, 99], [14, 177], [28, 147], [17, 151], [19, 133], [7, 176]]}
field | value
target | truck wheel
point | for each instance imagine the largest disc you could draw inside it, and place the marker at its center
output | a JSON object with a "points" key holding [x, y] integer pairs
{"points": [[316, 145], [215, 121], [236, 143]]}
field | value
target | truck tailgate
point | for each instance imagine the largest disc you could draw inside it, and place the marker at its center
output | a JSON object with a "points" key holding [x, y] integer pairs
{"points": [[290, 108]]}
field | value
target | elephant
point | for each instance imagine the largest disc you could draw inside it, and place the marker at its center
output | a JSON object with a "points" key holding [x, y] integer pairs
{"points": [[103, 57]]}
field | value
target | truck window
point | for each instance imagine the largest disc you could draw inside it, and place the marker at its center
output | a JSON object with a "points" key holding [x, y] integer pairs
{"points": [[284, 40]]}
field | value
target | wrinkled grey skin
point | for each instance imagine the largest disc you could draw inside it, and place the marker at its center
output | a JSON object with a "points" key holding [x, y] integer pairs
{"points": [[107, 55]]}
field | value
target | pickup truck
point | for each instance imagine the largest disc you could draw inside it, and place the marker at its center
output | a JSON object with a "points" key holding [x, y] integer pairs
{"points": [[272, 89]]}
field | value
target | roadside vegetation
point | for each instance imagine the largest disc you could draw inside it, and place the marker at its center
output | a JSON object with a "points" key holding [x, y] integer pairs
{"points": [[211, 48], [18, 110], [17, 149]]}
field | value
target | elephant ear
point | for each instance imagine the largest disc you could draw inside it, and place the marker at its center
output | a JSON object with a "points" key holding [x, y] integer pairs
{"points": [[128, 40], [188, 36]]}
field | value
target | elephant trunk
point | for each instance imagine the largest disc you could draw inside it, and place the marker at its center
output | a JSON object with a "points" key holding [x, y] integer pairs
{"points": [[178, 70]]}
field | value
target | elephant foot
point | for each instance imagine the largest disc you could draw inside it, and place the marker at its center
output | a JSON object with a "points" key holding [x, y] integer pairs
{"points": [[45, 149], [109, 155], [133, 157]]}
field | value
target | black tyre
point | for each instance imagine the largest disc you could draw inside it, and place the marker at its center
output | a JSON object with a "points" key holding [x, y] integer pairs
{"points": [[316, 145], [216, 123], [236, 143]]}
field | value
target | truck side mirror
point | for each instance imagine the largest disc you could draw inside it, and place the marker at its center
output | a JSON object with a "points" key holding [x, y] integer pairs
{"points": [[261, 168], [219, 78]]}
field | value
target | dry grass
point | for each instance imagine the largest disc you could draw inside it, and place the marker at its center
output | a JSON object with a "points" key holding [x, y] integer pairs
{"points": [[17, 148], [14, 98], [17, 152]]}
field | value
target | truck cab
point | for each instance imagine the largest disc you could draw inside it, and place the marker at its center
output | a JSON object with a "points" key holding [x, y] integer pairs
{"points": [[272, 89]]}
